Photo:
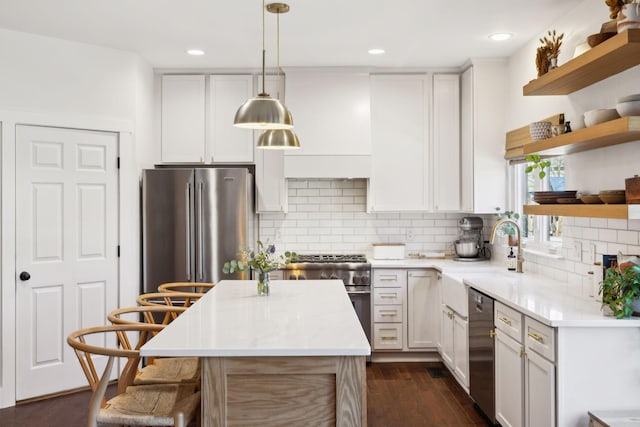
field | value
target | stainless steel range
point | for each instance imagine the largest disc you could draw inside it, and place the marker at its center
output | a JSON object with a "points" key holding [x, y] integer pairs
{"points": [[353, 270]]}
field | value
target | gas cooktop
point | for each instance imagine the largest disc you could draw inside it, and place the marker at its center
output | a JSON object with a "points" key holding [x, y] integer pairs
{"points": [[329, 258]]}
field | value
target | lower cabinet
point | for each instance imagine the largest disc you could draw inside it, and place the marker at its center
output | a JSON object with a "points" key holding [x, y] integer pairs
{"points": [[406, 315], [454, 344], [525, 378]]}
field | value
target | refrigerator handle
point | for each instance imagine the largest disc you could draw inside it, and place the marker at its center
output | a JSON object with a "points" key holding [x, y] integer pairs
{"points": [[199, 224], [188, 226]]}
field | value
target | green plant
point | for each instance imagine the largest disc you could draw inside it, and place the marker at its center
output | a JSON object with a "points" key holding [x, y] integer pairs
{"points": [[263, 260], [508, 228], [537, 163], [620, 288]]}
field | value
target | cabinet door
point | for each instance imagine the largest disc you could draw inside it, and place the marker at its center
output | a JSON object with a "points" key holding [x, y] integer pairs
{"points": [[399, 135], [423, 309], [271, 186], [466, 140], [446, 336], [183, 118], [509, 381], [387, 336], [540, 391], [461, 349], [446, 142], [225, 142]]}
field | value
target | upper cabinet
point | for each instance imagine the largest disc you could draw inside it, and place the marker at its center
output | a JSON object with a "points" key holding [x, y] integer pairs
{"points": [[197, 119], [610, 57], [483, 98], [331, 117], [183, 118]]}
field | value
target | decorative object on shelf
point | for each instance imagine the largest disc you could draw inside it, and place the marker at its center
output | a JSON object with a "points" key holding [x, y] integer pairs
{"points": [[278, 139], [591, 199], [613, 197], [557, 130], [615, 6], [553, 197], [540, 130], [632, 190], [537, 163], [601, 115], [620, 288], [567, 127], [263, 111], [629, 15], [547, 54], [262, 261], [629, 106], [595, 39], [508, 228]]}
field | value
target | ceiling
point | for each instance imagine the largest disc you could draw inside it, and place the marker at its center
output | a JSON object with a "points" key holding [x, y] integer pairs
{"points": [[414, 33]]}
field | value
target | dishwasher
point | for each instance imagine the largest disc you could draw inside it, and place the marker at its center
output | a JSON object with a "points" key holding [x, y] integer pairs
{"points": [[482, 353]]}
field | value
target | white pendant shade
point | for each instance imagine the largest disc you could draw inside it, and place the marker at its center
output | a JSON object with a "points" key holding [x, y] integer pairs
{"points": [[279, 139], [263, 112]]}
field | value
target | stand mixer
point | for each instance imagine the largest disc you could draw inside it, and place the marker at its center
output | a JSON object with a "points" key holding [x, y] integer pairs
{"points": [[470, 244]]}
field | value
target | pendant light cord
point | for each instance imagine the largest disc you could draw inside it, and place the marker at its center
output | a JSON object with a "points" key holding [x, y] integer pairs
{"points": [[278, 56], [263, 51]]}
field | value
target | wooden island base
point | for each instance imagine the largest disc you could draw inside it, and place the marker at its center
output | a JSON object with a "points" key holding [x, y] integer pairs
{"points": [[276, 391]]}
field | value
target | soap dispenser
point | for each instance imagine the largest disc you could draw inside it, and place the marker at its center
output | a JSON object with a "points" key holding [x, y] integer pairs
{"points": [[511, 260]]}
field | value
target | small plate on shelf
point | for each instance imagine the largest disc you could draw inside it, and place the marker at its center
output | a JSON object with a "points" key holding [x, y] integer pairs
{"points": [[568, 200], [591, 199], [614, 197]]}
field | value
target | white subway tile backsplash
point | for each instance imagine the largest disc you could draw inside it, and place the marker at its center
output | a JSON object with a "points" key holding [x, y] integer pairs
{"points": [[581, 222], [607, 235], [598, 222], [618, 224], [628, 237]]}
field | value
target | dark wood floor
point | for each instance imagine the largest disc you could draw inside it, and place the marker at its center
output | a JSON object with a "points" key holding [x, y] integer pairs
{"points": [[398, 395]]}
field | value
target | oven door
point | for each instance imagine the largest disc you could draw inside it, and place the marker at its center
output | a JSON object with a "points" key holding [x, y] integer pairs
{"points": [[360, 297]]}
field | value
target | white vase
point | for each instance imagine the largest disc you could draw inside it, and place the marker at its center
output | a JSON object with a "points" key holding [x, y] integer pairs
{"points": [[629, 17]]}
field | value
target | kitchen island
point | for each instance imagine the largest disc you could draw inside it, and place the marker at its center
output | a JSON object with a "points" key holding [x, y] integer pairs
{"points": [[295, 357]]}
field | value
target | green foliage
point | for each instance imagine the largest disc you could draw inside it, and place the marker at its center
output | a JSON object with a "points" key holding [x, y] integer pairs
{"points": [[537, 163], [620, 287], [507, 228], [263, 260]]}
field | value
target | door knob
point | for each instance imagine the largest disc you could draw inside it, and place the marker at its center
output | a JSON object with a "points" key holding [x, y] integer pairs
{"points": [[24, 276]]}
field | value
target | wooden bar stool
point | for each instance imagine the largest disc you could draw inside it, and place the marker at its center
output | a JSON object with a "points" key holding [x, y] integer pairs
{"points": [[145, 405], [200, 288], [173, 299]]}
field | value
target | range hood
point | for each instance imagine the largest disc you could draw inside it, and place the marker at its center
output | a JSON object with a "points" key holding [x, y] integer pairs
{"points": [[327, 166]]}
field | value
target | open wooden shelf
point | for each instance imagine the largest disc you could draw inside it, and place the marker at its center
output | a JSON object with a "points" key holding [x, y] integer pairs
{"points": [[610, 57], [613, 132], [590, 211]]}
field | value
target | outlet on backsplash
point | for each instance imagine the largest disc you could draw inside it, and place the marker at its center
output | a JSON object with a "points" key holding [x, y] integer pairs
{"points": [[409, 235]]}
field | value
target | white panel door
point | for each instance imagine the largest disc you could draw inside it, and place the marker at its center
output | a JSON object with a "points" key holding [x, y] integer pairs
{"points": [[423, 309], [540, 391], [67, 237], [461, 348], [509, 381], [225, 142]]}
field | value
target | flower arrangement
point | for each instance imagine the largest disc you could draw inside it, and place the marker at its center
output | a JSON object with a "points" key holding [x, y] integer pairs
{"points": [[620, 288], [615, 6], [262, 260], [550, 49]]}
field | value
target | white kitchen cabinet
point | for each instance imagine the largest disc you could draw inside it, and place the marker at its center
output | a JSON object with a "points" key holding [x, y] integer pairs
{"points": [[400, 108], [446, 336], [509, 380], [461, 349], [423, 314], [540, 391], [197, 119], [331, 117], [225, 142], [183, 118], [271, 185], [446, 142], [454, 329], [483, 107]]}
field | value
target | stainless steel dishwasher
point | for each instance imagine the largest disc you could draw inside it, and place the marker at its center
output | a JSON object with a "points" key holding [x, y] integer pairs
{"points": [[482, 353]]}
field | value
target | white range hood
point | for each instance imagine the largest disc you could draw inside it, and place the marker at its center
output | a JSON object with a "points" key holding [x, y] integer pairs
{"points": [[326, 166]]}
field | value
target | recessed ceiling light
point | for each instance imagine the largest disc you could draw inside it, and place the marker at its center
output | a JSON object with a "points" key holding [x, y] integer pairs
{"points": [[195, 52], [376, 51], [500, 36]]}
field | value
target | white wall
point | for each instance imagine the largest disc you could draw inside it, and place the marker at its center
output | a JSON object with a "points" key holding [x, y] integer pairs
{"points": [[61, 83], [588, 172]]}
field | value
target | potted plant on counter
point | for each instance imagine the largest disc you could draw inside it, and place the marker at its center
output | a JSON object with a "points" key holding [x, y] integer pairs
{"points": [[620, 289]]}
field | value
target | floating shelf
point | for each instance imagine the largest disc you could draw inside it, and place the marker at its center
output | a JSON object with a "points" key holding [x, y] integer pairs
{"points": [[613, 132], [610, 57], [591, 211]]}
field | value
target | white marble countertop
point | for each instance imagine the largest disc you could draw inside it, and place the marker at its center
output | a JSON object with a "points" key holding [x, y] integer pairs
{"points": [[299, 318], [536, 296]]}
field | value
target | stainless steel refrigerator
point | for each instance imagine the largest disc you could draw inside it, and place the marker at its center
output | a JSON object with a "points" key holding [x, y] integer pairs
{"points": [[193, 220]]}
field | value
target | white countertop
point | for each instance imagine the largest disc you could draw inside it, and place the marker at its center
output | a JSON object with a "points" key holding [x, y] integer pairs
{"points": [[536, 296], [299, 318]]}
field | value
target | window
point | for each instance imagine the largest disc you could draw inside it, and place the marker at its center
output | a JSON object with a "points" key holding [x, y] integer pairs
{"points": [[539, 229]]}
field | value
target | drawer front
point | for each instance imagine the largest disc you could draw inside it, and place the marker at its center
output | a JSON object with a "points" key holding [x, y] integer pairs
{"points": [[387, 313], [387, 296], [508, 321], [387, 336], [539, 338], [389, 278]]}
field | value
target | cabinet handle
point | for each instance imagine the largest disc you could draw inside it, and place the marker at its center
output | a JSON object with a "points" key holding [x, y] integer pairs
{"points": [[388, 278], [450, 314], [522, 352], [387, 338], [492, 333], [387, 296], [536, 337], [505, 320]]}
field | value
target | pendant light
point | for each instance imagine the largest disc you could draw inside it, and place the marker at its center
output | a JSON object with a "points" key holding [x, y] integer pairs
{"points": [[278, 139], [263, 111]]}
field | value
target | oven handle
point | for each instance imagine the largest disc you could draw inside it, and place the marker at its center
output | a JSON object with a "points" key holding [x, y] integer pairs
{"points": [[359, 292]]}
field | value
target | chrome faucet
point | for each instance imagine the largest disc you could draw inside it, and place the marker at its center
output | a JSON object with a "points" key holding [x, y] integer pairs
{"points": [[498, 224]]}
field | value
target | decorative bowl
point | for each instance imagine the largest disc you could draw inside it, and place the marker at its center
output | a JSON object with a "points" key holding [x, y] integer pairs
{"points": [[612, 196], [568, 200], [595, 39], [628, 108], [591, 199], [635, 97], [594, 117]]}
